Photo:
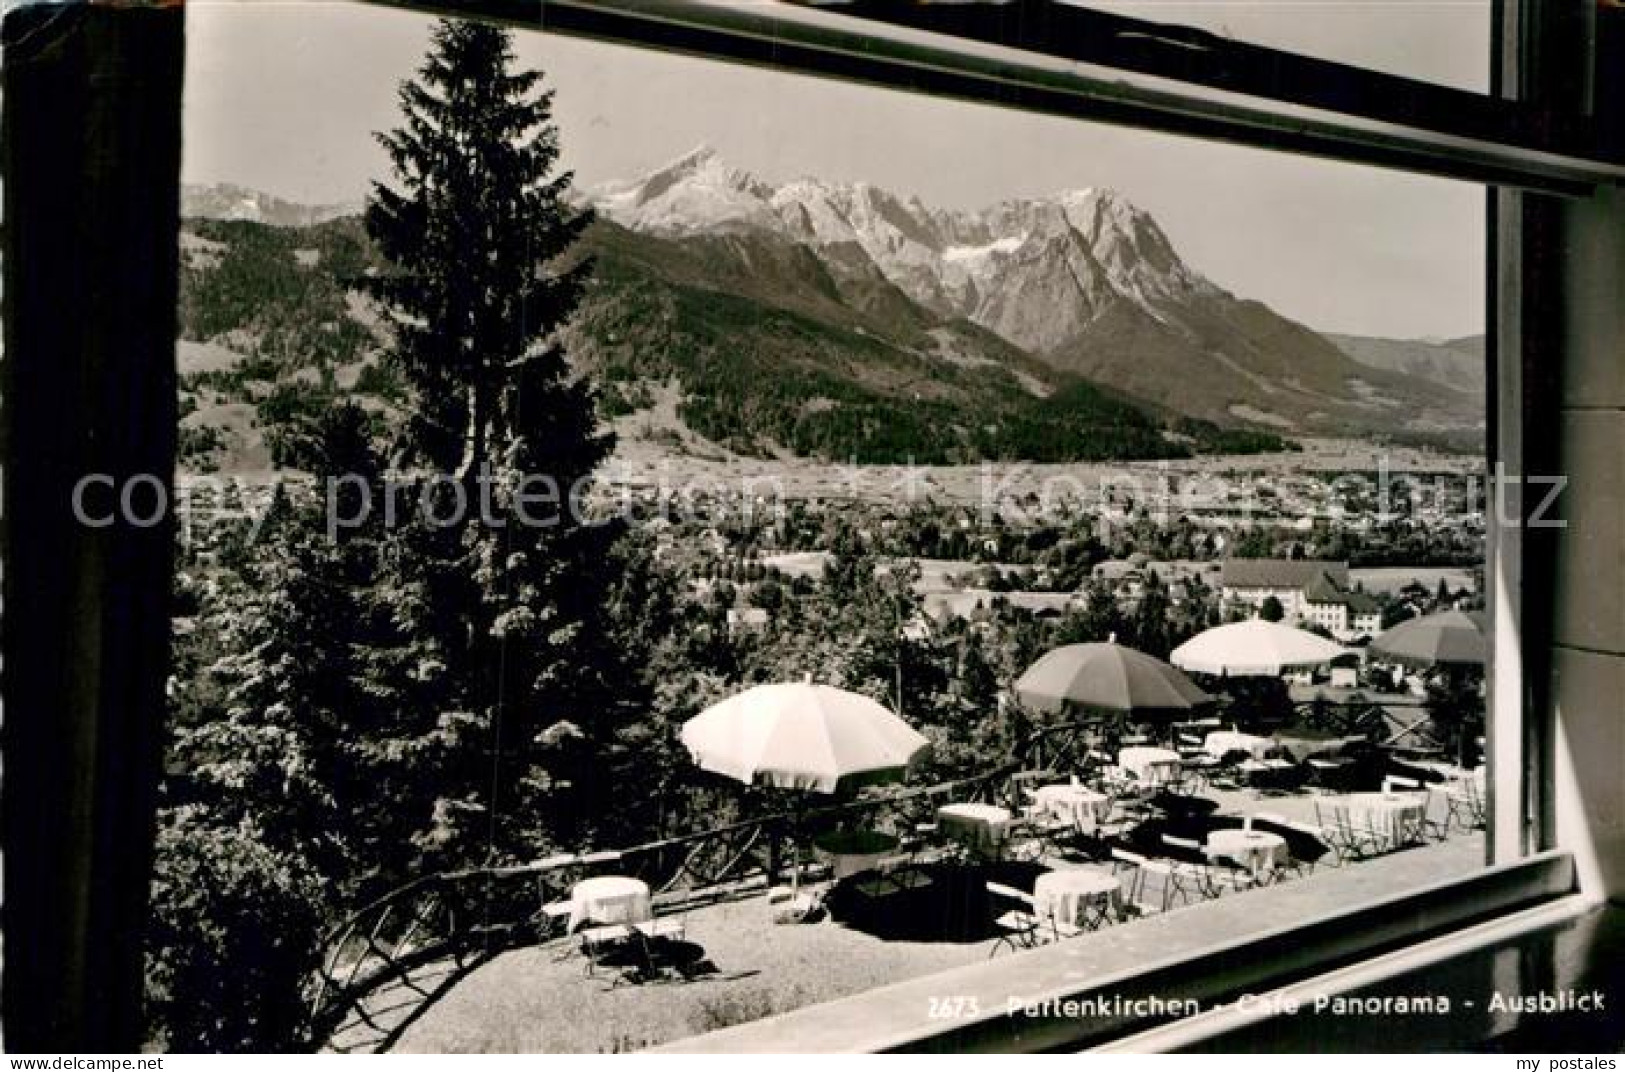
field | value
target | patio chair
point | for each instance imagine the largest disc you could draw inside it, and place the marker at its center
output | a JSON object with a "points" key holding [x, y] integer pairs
{"points": [[1416, 830], [1224, 771], [1058, 832], [1350, 840], [902, 871], [1193, 777], [1134, 896], [1019, 926], [665, 928], [1023, 843], [1221, 875], [919, 837], [1303, 863], [551, 920], [1282, 780], [597, 943], [1329, 775], [1136, 798], [788, 905], [1306, 844], [1196, 871], [1180, 880]]}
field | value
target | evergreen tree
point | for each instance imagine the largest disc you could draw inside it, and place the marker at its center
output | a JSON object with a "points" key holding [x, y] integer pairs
{"points": [[258, 849], [428, 690], [1149, 628], [468, 239], [500, 682]]}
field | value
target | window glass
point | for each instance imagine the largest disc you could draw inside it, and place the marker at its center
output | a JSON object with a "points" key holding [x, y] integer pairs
{"points": [[1446, 42]]}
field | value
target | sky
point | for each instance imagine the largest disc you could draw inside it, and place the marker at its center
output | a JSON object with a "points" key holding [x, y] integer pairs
{"points": [[284, 96]]}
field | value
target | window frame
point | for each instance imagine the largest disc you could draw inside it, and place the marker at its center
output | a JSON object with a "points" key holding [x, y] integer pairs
{"points": [[1506, 142], [87, 993]]}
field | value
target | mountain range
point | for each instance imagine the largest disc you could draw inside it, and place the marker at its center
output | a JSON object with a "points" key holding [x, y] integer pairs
{"points": [[1457, 363], [1086, 283], [226, 201]]}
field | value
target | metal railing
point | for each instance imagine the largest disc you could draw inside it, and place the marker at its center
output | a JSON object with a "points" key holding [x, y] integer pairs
{"points": [[455, 920], [450, 922]]}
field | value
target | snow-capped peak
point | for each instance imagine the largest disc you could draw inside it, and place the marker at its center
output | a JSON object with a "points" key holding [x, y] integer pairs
{"points": [[694, 193], [1078, 249]]}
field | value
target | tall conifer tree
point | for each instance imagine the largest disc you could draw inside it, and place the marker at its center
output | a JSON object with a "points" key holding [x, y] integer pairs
{"points": [[472, 233], [500, 675]]}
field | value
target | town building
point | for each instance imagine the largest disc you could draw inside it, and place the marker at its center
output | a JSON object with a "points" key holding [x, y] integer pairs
{"points": [[1310, 591]]}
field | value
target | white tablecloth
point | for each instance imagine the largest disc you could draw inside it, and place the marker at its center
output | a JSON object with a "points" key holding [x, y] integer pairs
{"points": [[1256, 850], [979, 826], [1065, 895], [1080, 805], [1224, 742], [1396, 816], [1155, 766], [609, 899]]}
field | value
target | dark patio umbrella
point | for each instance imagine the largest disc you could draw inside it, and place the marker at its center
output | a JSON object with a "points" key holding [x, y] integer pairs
{"points": [[1106, 677], [1450, 638]]}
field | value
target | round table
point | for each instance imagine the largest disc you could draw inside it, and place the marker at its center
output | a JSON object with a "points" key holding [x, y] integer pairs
{"points": [[1256, 850], [609, 899], [1395, 816], [1152, 766], [1075, 896], [851, 852], [976, 826], [1080, 805]]}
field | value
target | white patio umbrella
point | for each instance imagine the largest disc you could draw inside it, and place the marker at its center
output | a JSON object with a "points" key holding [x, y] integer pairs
{"points": [[1255, 648], [803, 736]]}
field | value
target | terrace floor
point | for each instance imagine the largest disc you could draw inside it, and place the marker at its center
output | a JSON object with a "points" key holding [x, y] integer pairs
{"points": [[542, 999]]}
